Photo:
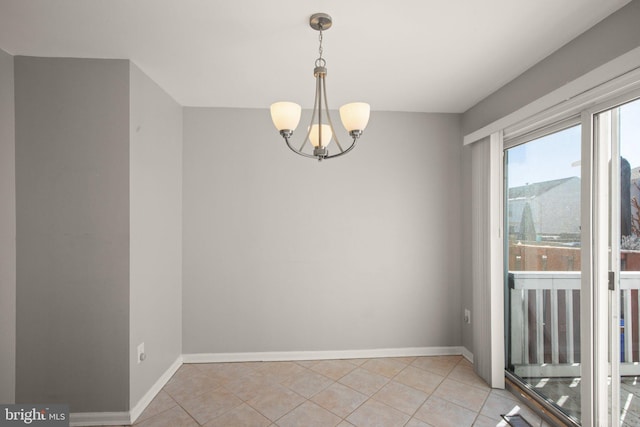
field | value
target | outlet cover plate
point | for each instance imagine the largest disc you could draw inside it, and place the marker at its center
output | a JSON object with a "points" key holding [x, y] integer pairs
{"points": [[140, 357]]}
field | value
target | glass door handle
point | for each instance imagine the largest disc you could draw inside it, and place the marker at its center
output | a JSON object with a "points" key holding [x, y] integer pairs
{"points": [[612, 280]]}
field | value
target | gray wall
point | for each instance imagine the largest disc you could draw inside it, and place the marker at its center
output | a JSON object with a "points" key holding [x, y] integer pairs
{"points": [[282, 253], [7, 232], [155, 232], [617, 34], [72, 169]]}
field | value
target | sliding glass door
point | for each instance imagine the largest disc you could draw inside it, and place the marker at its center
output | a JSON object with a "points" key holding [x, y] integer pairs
{"points": [[572, 263], [543, 258], [617, 134]]}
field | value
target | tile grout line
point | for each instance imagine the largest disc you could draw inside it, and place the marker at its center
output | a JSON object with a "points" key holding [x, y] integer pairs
{"points": [[344, 419], [304, 397], [357, 391], [389, 381], [481, 407], [430, 394], [138, 421], [368, 398], [412, 416]]}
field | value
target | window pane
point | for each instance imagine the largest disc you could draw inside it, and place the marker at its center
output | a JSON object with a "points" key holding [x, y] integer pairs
{"points": [[542, 216], [627, 128]]}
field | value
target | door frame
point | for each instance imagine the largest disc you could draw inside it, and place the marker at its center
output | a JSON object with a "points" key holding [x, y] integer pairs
{"points": [[599, 306], [605, 257]]}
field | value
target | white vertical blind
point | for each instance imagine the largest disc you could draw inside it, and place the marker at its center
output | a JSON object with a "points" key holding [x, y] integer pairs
{"points": [[488, 297]]}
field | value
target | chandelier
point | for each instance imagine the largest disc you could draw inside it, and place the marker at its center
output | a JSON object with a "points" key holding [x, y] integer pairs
{"points": [[320, 133]]}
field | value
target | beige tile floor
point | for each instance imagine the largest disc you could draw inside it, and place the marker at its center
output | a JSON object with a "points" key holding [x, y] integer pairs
{"points": [[404, 391]]}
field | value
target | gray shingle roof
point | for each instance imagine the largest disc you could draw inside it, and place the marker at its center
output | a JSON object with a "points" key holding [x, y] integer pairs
{"points": [[538, 188]]}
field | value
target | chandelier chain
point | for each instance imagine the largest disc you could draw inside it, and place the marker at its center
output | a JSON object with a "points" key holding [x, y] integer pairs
{"points": [[320, 47]]}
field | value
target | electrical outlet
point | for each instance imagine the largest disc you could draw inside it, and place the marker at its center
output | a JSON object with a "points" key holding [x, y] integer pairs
{"points": [[467, 316], [141, 353]]}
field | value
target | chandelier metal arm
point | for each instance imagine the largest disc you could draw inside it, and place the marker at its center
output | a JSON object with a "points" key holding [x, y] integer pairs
{"points": [[286, 138], [326, 104], [287, 134], [316, 106], [319, 98], [351, 147]]}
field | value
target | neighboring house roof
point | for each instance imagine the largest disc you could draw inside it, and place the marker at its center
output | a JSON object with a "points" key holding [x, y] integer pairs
{"points": [[538, 188]]}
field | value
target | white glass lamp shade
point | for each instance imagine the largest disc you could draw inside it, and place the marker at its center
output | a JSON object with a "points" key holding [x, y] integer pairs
{"points": [[314, 135], [355, 116], [285, 115]]}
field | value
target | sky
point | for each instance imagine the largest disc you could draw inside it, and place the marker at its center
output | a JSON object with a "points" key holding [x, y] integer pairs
{"points": [[557, 155], [630, 133]]}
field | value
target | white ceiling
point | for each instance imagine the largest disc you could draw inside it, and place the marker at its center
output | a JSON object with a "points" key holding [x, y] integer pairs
{"points": [[410, 55]]}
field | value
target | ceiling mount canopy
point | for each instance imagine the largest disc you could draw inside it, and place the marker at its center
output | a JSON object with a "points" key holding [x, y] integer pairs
{"points": [[320, 21], [320, 132]]}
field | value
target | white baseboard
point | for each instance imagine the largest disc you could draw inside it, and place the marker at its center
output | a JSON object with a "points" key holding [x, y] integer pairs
{"points": [[142, 404], [124, 418], [467, 354], [320, 355]]}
